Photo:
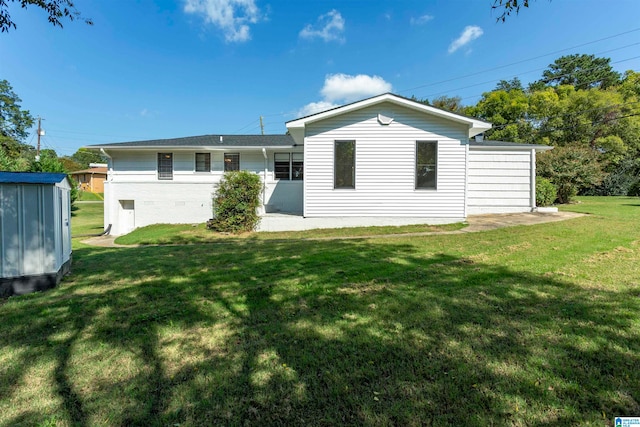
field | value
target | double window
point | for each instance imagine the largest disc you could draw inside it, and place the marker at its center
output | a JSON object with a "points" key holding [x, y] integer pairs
{"points": [[344, 175], [165, 166], [203, 162], [231, 162], [289, 166], [426, 164]]}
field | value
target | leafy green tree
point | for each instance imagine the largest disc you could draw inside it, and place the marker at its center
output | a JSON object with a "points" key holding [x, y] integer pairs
{"points": [[571, 169], [448, 103], [509, 85], [84, 157], [14, 121], [57, 10], [508, 111], [581, 71], [507, 7]]}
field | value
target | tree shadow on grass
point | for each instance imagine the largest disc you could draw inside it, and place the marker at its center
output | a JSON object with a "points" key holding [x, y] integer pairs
{"points": [[317, 333]]}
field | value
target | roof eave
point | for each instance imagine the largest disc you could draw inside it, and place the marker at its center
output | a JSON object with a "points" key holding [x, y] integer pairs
{"points": [[187, 148]]}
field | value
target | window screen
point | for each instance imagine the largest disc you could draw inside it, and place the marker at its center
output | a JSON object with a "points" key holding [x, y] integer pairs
{"points": [[231, 162], [203, 162], [345, 164], [426, 164], [165, 165]]}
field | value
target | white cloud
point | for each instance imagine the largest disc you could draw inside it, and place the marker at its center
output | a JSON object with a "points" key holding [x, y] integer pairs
{"points": [[231, 16], [420, 20], [470, 33], [344, 88], [315, 107], [330, 27], [347, 88]]}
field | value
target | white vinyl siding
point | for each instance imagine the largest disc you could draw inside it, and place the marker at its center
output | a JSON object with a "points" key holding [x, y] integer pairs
{"points": [[385, 164], [499, 181]]}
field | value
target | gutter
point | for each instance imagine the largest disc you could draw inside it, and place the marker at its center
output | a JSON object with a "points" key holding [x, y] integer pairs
{"points": [[264, 182]]}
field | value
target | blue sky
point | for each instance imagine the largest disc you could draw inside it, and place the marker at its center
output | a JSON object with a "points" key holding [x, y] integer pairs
{"points": [[153, 69]]}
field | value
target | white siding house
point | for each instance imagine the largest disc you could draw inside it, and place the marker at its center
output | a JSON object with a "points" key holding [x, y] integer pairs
{"points": [[385, 156], [35, 234]]}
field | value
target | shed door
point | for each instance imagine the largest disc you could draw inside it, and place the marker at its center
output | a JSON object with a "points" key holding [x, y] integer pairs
{"points": [[127, 216]]}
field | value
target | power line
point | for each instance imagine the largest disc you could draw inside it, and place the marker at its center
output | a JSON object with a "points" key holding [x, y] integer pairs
{"points": [[519, 62]]}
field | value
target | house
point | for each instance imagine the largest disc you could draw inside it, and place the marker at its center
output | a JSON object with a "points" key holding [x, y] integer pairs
{"points": [[91, 179], [35, 241], [385, 156]]}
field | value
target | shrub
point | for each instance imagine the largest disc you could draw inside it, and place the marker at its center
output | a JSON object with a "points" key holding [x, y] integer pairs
{"points": [[571, 169], [546, 192], [235, 202], [634, 190]]}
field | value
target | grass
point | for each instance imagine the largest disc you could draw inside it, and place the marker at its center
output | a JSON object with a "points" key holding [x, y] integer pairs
{"points": [[536, 325], [88, 196], [163, 234], [87, 219]]}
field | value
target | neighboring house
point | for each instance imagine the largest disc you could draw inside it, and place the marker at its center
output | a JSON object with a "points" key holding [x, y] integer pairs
{"points": [[91, 179], [35, 238], [385, 156]]}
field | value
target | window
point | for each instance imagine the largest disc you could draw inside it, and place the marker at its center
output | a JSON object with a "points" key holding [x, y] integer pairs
{"points": [[289, 166], [345, 164], [165, 165], [297, 166], [282, 166], [231, 162], [203, 162], [426, 164]]}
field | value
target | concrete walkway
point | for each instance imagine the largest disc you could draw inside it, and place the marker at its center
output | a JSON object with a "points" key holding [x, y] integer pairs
{"points": [[476, 223]]}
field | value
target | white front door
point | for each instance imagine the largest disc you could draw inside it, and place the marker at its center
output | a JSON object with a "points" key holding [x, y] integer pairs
{"points": [[127, 216]]}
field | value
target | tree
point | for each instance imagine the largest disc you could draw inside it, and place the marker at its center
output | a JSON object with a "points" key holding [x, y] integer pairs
{"points": [[509, 85], [581, 71], [507, 111], [84, 157], [508, 7], [571, 169], [14, 122], [57, 10]]}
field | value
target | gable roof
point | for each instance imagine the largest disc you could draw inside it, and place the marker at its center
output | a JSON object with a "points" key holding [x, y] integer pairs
{"points": [[91, 171], [475, 126], [206, 142], [31, 177]]}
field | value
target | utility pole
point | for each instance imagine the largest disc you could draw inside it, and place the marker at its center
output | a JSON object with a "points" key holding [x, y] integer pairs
{"points": [[40, 133], [261, 126]]}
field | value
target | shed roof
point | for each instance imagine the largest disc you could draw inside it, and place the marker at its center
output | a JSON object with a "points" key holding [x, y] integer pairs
{"points": [[31, 177], [488, 144], [207, 141]]}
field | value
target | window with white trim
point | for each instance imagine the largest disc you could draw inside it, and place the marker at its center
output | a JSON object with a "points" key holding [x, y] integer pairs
{"points": [[165, 166], [426, 164], [289, 166], [344, 174], [231, 162], [203, 162]]}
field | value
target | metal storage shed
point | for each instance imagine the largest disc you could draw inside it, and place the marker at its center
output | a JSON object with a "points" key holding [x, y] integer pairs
{"points": [[35, 234]]}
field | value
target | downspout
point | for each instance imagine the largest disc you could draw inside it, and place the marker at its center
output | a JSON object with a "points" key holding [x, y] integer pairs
{"points": [[107, 202], [533, 180], [264, 182], [104, 153]]}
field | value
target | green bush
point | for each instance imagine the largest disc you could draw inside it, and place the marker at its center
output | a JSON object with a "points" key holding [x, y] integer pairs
{"points": [[236, 202], [571, 169], [546, 192]]}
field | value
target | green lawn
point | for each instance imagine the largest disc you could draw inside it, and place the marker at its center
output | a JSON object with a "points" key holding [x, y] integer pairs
{"points": [[536, 325], [87, 218], [164, 234]]}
